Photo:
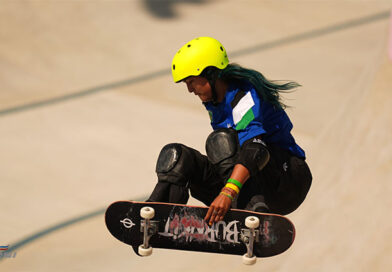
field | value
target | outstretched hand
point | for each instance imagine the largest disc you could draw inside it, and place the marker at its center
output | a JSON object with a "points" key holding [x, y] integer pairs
{"points": [[218, 209]]}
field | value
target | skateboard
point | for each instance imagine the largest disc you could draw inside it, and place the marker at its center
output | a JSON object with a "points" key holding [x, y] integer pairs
{"points": [[145, 225]]}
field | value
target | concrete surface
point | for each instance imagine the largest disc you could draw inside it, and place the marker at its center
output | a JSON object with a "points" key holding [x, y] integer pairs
{"points": [[87, 102]]}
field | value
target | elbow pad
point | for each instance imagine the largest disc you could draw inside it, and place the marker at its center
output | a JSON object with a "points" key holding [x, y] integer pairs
{"points": [[254, 155]]}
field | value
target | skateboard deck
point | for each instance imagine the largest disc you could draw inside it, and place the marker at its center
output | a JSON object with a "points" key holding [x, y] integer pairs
{"points": [[182, 227]]}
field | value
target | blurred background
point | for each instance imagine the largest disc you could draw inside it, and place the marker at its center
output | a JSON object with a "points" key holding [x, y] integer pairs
{"points": [[87, 102]]}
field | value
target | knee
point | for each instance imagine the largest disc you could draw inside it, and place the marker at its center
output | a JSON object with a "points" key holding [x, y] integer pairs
{"points": [[254, 155], [221, 145], [173, 164], [168, 158]]}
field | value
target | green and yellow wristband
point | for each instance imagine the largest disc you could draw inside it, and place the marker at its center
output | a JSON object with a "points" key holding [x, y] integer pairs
{"points": [[235, 182], [232, 188]]}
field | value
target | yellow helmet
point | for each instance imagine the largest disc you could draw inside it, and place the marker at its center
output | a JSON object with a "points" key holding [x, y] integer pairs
{"points": [[196, 55]]}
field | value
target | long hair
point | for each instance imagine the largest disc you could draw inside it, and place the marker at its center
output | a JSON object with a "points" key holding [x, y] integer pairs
{"points": [[268, 90]]}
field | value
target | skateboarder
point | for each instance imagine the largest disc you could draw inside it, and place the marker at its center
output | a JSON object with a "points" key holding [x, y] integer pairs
{"points": [[253, 161]]}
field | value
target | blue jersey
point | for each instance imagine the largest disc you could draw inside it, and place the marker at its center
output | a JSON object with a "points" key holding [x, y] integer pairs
{"points": [[243, 110]]}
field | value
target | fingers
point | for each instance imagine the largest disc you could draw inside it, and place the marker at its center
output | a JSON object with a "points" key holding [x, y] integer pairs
{"points": [[212, 215], [217, 210], [216, 214], [209, 213]]}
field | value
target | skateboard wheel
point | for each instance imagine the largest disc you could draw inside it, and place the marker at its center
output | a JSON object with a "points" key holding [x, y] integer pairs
{"points": [[248, 260], [252, 222], [144, 251], [147, 212]]}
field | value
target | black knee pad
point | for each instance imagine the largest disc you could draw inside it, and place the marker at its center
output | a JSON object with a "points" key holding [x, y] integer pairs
{"points": [[172, 165], [221, 145], [254, 155], [168, 158]]}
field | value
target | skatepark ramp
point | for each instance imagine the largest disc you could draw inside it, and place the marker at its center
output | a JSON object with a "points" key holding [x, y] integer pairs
{"points": [[87, 102]]}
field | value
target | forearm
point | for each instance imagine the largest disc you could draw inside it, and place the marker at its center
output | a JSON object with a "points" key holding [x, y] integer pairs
{"points": [[237, 179], [240, 173]]}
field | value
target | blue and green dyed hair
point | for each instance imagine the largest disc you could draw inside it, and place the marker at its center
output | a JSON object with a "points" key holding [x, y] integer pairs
{"points": [[268, 90]]}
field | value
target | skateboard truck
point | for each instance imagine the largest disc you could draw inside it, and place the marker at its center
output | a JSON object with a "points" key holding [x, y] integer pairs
{"points": [[149, 228], [249, 236]]}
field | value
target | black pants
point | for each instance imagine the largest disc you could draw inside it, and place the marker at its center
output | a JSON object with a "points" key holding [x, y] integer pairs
{"points": [[284, 182]]}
